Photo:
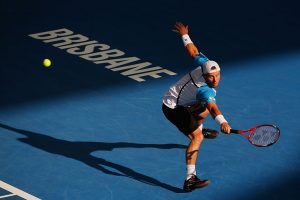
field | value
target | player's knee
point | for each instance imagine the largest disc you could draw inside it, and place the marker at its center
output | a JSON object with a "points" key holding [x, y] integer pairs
{"points": [[197, 136], [200, 137]]}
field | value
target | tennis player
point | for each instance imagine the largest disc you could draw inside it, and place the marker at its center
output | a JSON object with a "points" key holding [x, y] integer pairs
{"points": [[189, 101]]}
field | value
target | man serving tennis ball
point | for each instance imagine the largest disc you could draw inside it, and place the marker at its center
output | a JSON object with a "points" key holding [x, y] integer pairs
{"points": [[189, 101]]}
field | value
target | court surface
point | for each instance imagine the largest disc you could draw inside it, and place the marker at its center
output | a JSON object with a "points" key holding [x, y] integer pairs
{"points": [[81, 130]]}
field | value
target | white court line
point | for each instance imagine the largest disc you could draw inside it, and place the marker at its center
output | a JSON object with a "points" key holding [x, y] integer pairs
{"points": [[17, 191], [9, 195]]}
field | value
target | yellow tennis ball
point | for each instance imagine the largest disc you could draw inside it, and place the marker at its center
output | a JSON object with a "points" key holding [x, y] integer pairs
{"points": [[47, 62]]}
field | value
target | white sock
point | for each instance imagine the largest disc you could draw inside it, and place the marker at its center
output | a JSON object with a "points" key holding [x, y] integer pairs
{"points": [[191, 170]]}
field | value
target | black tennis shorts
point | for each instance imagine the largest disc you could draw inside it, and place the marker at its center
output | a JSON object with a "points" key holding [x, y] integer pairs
{"points": [[181, 118]]}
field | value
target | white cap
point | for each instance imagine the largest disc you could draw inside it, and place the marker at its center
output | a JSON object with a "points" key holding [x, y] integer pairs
{"points": [[210, 67]]}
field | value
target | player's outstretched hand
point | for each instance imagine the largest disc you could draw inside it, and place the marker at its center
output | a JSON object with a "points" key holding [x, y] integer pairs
{"points": [[181, 29], [225, 128]]}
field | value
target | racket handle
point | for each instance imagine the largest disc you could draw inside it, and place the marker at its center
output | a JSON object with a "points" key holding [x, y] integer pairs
{"points": [[234, 131]]}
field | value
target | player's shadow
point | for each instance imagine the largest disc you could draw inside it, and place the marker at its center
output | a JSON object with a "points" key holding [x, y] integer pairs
{"points": [[81, 151]]}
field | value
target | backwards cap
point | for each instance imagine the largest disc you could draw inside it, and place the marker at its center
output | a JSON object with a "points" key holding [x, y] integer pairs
{"points": [[210, 67]]}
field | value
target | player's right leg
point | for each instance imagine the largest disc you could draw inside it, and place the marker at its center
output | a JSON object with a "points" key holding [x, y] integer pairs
{"points": [[192, 181]]}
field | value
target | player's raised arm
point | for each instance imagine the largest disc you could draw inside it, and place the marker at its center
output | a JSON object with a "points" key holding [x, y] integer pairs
{"points": [[183, 31]]}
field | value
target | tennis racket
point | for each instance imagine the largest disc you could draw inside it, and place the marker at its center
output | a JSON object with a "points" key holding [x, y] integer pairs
{"points": [[261, 136]]}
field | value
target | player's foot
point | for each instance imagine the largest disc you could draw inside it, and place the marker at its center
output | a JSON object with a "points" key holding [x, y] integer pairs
{"points": [[193, 183], [210, 133]]}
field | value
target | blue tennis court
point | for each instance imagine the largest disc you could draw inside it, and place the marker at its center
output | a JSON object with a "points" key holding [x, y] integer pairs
{"points": [[90, 127]]}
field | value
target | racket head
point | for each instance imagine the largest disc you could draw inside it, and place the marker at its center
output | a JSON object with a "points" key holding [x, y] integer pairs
{"points": [[264, 135]]}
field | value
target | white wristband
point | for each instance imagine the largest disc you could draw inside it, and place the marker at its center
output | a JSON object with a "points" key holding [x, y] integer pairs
{"points": [[186, 39], [220, 119]]}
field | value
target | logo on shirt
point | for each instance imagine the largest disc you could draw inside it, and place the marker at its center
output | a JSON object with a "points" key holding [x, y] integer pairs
{"points": [[212, 98]]}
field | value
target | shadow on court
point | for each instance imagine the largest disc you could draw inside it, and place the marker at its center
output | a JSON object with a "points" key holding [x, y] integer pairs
{"points": [[81, 151], [286, 187]]}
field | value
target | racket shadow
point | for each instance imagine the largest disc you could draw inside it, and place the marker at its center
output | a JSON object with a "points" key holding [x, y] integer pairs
{"points": [[81, 151]]}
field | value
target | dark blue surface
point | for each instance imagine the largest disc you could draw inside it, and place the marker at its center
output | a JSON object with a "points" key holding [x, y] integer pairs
{"points": [[80, 131]]}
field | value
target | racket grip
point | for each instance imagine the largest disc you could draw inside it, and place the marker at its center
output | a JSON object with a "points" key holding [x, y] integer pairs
{"points": [[234, 131]]}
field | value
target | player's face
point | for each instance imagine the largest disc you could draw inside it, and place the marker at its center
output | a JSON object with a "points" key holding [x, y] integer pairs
{"points": [[212, 79]]}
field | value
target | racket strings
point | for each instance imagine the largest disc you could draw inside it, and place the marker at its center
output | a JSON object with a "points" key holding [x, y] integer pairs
{"points": [[264, 135]]}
